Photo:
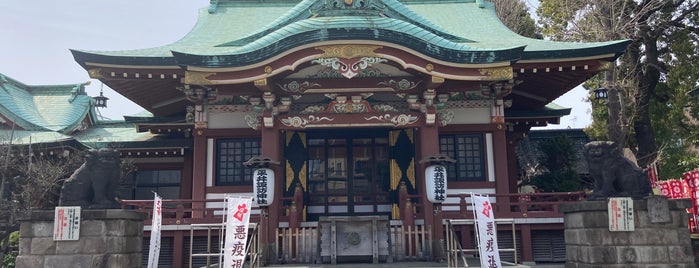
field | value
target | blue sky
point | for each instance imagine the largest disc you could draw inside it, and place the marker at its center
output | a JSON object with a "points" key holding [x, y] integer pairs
{"points": [[35, 38]]}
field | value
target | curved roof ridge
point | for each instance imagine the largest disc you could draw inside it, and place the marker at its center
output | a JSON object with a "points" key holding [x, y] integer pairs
{"points": [[308, 9], [336, 28]]}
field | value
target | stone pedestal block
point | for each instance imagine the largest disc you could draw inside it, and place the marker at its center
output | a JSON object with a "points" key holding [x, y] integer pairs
{"points": [[660, 239], [108, 238]]}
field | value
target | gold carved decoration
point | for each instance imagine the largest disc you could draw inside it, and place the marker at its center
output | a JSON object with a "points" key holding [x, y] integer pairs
{"points": [[268, 69], [95, 73], [396, 174], [411, 172], [348, 51], [198, 78], [261, 82], [289, 175], [498, 73], [437, 79], [429, 67], [302, 176], [604, 65]]}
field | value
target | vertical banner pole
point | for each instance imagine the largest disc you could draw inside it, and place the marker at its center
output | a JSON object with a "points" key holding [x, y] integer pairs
{"points": [[156, 224], [237, 221], [487, 232]]}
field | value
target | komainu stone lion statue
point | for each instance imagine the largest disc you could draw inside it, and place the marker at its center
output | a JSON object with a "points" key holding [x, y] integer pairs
{"points": [[613, 174], [93, 185]]}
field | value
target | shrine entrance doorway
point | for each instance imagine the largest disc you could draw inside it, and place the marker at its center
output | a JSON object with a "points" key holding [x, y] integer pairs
{"points": [[348, 173]]}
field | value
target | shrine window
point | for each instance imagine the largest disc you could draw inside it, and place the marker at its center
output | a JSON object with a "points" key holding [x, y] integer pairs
{"points": [[468, 150], [140, 185], [230, 156]]}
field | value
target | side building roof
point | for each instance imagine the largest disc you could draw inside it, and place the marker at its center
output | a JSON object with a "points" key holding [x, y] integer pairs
{"points": [[52, 117], [57, 108]]}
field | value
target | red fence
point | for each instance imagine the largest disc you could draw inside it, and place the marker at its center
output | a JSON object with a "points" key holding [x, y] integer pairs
{"points": [[535, 205]]}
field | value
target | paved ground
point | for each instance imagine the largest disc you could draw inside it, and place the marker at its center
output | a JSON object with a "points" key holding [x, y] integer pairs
{"points": [[472, 263]]}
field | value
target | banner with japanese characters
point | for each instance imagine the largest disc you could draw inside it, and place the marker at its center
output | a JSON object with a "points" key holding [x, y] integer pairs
{"points": [[238, 211], [653, 177], [487, 233], [156, 222]]}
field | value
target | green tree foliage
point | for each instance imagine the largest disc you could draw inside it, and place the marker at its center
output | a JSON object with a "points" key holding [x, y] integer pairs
{"points": [[647, 104], [559, 157], [515, 15], [12, 244], [675, 119]]}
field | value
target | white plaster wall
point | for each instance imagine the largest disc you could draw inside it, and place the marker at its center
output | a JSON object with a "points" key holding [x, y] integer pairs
{"points": [[471, 116], [227, 120]]}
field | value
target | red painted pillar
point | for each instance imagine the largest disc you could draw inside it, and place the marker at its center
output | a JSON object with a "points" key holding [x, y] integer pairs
{"points": [[178, 253], [429, 145], [199, 173], [527, 252], [406, 208], [269, 222], [502, 179]]}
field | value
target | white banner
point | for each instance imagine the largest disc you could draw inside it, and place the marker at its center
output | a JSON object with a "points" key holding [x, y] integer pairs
{"points": [[156, 223], [487, 233], [237, 219]]}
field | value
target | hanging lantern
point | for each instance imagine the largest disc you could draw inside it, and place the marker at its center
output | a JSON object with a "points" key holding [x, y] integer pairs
{"points": [[436, 183], [601, 93], [101, 100], [263, 186]]}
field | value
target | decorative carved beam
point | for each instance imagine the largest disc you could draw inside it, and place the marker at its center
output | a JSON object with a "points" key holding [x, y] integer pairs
{"points": [[263, 85]]}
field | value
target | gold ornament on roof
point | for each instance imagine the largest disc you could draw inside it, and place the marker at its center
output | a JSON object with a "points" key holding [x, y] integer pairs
{"points": [[95, 73], [498, 73], [348, 51], [604, 65], [198, 78]]}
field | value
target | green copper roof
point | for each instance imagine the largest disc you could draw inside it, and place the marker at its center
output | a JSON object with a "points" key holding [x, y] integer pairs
{"points": [[349, 28], [464, 18], [26, 137], [236, 33], [550, 110], [59, 108], [112, 133]]}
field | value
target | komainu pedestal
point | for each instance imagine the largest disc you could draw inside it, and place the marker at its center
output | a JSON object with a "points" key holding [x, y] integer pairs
{"points": [[660, 238], [108, 238]]}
